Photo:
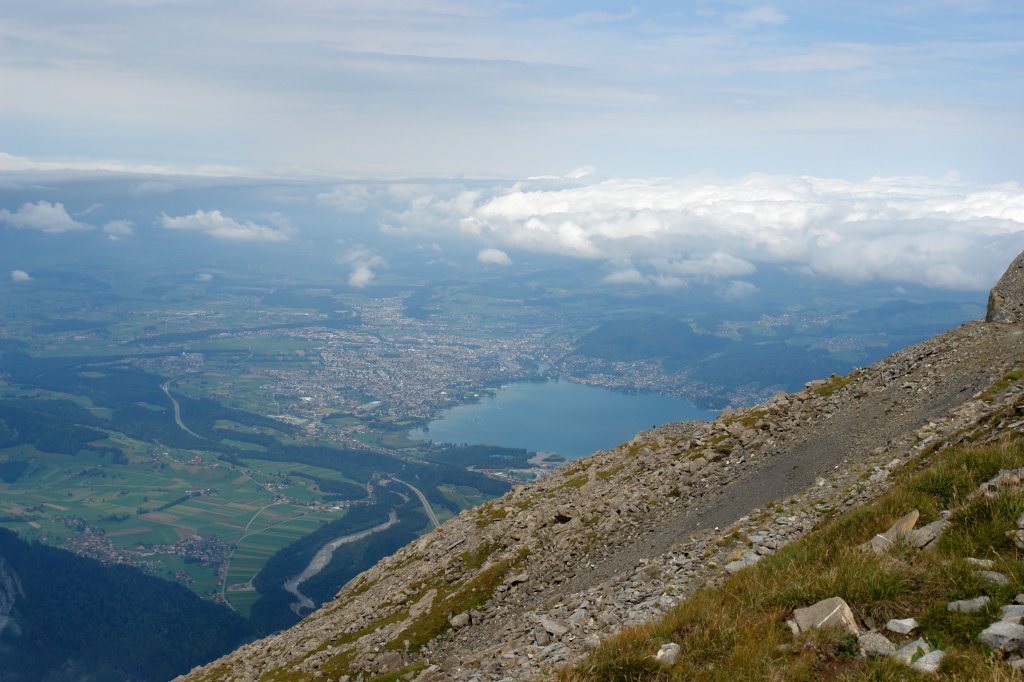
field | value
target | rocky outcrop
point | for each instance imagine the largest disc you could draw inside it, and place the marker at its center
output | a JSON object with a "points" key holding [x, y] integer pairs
{"points": [[1006, 299]]}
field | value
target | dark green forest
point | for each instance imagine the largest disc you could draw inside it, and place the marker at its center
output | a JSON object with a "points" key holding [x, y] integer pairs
{"points": [[77, 619]]}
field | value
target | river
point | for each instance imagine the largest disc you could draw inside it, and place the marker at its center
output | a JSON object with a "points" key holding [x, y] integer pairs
{"points": [[322, 558]]}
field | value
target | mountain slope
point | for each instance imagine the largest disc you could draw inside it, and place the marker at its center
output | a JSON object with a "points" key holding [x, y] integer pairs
{"points": [[524, 583]]}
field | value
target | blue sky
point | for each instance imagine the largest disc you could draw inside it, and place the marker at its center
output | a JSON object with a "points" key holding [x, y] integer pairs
{"points": [[384, 88]]}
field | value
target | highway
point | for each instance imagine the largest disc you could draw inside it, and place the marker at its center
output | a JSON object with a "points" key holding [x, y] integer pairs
{"points": [[423, 500]]}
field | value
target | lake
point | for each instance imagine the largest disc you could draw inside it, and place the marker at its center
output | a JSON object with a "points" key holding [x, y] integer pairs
{"points": [[560, 416]]}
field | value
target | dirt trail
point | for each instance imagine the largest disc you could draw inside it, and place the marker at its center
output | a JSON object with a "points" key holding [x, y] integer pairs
{"points": [[818, 447]]}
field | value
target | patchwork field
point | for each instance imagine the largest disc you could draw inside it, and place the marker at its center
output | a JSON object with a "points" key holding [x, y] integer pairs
{"points": [[146, 509]]}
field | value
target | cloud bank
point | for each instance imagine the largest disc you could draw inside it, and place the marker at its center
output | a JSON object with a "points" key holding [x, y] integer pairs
{"points": [[936, 232], [217, 225], [43, 216], [20, 276]]}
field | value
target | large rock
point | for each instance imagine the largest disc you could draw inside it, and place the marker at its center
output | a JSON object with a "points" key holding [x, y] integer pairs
{"points": [[968, 605], [828, 613], [1006, 299], [1005, 637]]}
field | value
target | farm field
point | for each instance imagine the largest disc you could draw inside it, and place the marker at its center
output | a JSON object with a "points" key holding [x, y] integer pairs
{"points": [[146, 509]]}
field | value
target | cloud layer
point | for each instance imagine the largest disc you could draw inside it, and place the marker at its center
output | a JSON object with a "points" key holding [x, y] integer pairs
{"points": [[217, 225], [936, 232]]}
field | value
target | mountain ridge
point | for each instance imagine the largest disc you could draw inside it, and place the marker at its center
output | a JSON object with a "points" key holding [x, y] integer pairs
{"points": [[535, 579]]}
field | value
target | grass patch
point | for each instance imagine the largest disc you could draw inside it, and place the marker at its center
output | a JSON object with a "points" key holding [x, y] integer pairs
{"points": [[733, 632], [576, 482], [451, 600], [834, 384], [488, 514], [1014, 376], [400, 674]]}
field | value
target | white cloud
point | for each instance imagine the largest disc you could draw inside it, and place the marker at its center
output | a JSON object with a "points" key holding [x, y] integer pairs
{"points": [[10, 162], [669, 232], [364, 262], [737, 289], [766, 14], [116, 229], [20, 276], [216, 224], [626, 276], [43, 216], [349, 198], [204, 277], [494, 257], [713, 265], [361, 277]]}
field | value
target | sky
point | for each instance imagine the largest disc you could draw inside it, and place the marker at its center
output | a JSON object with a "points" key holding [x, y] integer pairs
{"points": [[837, 88], [671, 141]]}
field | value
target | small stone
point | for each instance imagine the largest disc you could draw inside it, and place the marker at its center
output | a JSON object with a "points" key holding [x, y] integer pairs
{"points": [[875, 644], [968, 605], [902, 626], [902, 528], [592, 641], [1012, 613], [518, 579], [429, 675], [389, 660], [832, 612], [907, 652], [1016, 664], [980, 563], [993, 576], [668, 653], [553, 627], [1017, 536], [929, 663], [1003, 636], [1019, 599], [459, 620]]}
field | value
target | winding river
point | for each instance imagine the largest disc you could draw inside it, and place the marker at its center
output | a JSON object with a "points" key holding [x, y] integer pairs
{"points": [[323, 557]]}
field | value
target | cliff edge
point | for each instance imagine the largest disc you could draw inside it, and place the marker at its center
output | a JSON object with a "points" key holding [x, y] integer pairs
{"points": [[1006, 299]]}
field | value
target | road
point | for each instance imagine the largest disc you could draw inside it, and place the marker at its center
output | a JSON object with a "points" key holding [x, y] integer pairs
{"points": [[423, 500], [166, 388]]}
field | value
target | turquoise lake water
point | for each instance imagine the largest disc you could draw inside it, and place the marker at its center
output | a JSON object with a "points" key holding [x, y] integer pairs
{"points": [[557, 416]]}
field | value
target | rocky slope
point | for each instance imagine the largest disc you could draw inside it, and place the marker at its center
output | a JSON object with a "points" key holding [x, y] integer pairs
{"points": [[522, 584]]}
